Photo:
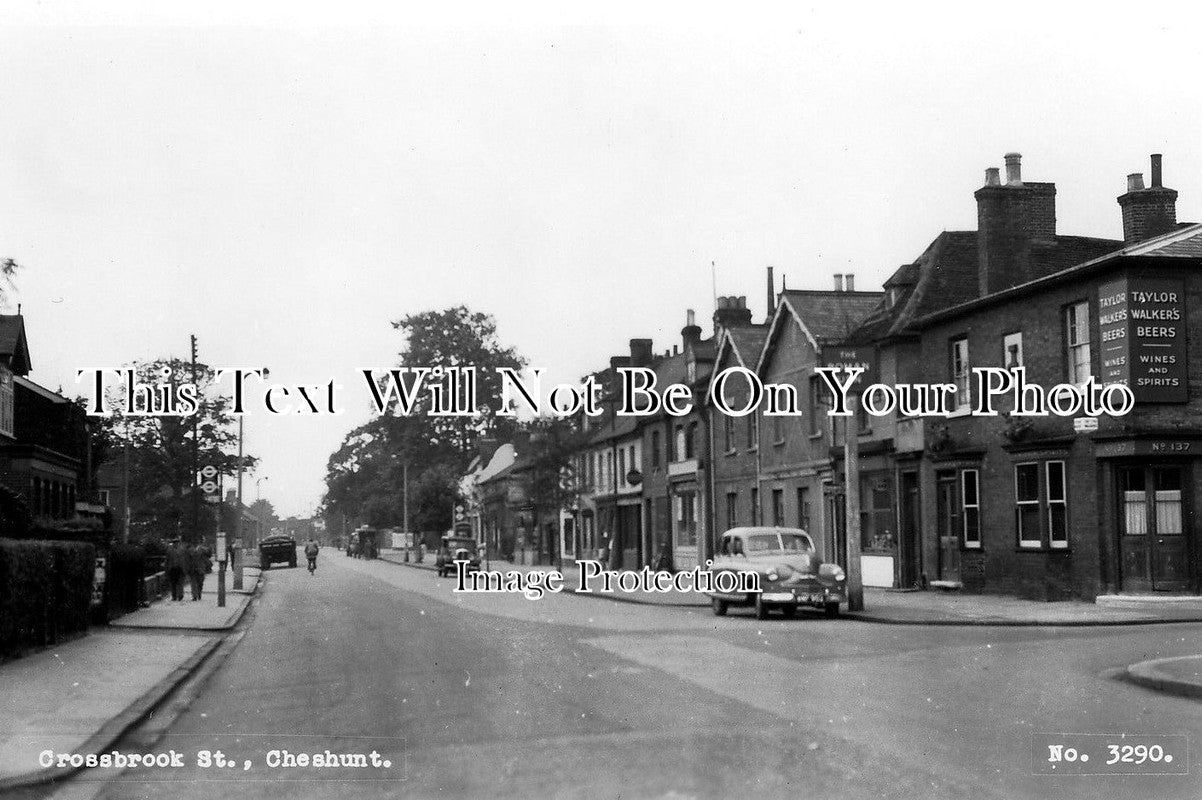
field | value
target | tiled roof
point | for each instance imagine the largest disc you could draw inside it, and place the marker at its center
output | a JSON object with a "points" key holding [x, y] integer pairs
{"points": [[1184, 243], [947, 276], [748, 341], [832, 315], [13, 348]]}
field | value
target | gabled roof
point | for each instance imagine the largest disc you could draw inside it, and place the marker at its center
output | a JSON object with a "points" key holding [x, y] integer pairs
{"points": [[824, 317], [746, 343], [14, 351], [831, 315]]}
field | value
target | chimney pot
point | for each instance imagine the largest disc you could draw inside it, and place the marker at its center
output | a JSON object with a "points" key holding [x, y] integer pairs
{"points": [[1156, 170], [849, 282], [1135, 181], [992, 177], [691, 318], [1014, 172], [742, 301], [838, 281]]}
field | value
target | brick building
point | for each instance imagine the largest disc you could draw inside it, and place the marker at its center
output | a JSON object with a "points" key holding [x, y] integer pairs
{"points": [[1042, 506], [44, 440]]}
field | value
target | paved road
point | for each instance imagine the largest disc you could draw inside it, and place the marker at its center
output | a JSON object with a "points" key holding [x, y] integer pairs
{"points": [[498, 696]]}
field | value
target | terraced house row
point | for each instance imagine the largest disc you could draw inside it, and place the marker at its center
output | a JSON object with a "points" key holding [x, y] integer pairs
{"points": [[1044, 507]]}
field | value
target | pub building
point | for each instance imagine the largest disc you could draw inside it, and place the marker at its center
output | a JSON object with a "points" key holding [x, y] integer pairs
{"points": [[1060, 507], [1040, 507]]}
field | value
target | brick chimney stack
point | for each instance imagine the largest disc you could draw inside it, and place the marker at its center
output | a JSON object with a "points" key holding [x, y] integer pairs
{"points": [[1150, 211], [690, 334], [1011, 218], [640, 353], [732, 312]]}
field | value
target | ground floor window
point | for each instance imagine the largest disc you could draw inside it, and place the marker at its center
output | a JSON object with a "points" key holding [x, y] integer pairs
{"points": [[1041, 505], [876, 513], [732, 510], [970, 496]]}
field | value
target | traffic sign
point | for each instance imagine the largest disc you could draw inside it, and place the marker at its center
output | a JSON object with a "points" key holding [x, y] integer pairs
{"points": [[209, 472], [208, 487]]}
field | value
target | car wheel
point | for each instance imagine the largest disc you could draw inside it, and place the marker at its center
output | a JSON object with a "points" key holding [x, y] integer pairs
{"points": [[832, 609], [761, 610], [719, 607], [264, 566], [790, 610], [292, 563]]}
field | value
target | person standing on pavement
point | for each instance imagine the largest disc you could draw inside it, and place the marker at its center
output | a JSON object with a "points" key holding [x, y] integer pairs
{"points": [[198, 566], [177, 566]]}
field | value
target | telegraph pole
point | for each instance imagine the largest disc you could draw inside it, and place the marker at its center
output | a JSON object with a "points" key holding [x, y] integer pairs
{"points": [[195, 454], [405, 504], [238, 518], [851, 477]]}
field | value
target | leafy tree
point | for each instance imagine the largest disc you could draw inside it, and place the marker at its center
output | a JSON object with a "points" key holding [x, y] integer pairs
{"points": [[162, 456], [364, 477]]}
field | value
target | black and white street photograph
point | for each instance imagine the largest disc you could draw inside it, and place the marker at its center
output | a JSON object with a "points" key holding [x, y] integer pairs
{"points": [[645, 401]]}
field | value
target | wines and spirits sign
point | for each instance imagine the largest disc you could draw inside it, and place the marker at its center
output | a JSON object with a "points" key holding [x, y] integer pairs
{"points": [[1141, 323]]}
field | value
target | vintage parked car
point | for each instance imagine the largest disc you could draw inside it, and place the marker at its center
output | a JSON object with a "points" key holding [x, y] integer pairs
{"points": [[456, 548], [790, 572], [276, 550]]}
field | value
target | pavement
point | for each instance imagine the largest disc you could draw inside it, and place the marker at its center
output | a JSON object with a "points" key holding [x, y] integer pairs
{"points": [[203, 614], [82, 695]]}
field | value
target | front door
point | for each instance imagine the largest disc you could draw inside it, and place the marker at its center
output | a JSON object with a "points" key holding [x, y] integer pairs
{"points": [[910, 526], [947, 510], [1155, 548]]}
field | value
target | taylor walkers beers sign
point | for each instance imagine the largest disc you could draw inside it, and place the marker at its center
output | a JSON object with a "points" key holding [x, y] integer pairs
{"points": [[1141, 323]]}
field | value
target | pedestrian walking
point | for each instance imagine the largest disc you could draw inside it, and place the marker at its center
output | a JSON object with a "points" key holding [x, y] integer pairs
{"points": [[177, 566]]}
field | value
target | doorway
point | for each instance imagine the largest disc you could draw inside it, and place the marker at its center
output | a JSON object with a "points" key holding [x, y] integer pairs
{"points": [[911, 524], [947, 511], [1153, 540]]}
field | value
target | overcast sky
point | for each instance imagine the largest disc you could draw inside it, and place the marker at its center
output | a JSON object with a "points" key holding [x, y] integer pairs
{"points": [[283, 181]]}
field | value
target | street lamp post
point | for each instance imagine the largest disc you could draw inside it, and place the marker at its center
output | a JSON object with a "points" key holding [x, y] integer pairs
{"points": [[259, 512], [237, 548]]}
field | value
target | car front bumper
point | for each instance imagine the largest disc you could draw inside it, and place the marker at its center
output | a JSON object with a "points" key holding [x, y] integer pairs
{"points": [[806, 596]]}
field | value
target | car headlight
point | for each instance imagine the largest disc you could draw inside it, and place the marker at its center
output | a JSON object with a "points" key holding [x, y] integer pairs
{"points": [[832, 571]]}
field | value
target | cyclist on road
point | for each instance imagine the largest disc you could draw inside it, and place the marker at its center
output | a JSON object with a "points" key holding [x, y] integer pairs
{"points": [[311, 550]]}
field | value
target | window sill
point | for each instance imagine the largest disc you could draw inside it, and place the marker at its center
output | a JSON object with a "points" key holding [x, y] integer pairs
{"points": [[778, 443], [962, 411], [1042, 549]]}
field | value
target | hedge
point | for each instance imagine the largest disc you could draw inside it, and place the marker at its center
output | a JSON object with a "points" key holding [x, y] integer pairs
{"points": [[45, 592]]}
